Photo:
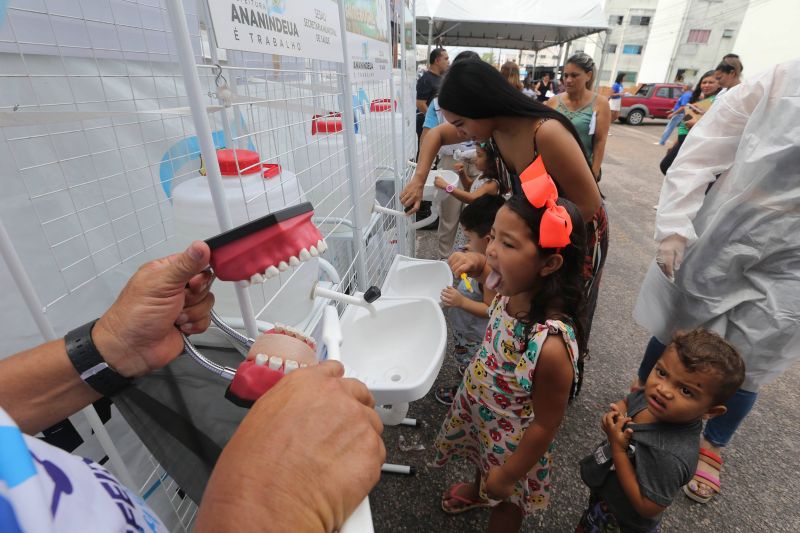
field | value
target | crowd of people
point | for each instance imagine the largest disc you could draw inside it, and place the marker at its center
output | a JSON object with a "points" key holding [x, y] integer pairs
{"points": [[720, 300]]}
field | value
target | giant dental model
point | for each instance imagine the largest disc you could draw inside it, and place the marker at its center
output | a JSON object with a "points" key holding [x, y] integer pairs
{"points": [[254, 253], [274, 354], [259, 250]]}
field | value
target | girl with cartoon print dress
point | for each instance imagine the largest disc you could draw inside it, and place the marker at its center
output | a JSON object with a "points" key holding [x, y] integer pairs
{"points": [[510, 404]]}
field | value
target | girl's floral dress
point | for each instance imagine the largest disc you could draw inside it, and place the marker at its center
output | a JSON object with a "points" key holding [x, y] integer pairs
{"points": [[493, 405]]}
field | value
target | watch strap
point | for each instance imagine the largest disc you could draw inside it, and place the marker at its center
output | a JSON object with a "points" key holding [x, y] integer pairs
{"points": [[89, 364]]}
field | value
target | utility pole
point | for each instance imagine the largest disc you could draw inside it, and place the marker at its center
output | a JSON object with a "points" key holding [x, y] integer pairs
{"points": [[626, 20], [677, 41], [602, 60]]}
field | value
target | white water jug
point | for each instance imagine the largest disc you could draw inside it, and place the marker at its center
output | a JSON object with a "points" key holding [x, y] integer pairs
{"points": [[252, 189]]}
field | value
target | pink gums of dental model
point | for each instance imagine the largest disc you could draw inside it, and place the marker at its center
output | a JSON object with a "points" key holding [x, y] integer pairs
{"points": [[254, 379], [252, 248]]}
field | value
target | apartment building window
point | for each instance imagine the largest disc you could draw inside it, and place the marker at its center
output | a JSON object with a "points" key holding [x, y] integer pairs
{"points": [[727, 34], [630, 77], [640, 21], [611, 48], [635, 49], [615, 19], [698, 36]]}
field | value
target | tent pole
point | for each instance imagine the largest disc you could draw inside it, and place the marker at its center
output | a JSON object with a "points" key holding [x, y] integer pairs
{"points": [[430, 39], [621, 46], [560, 61]]}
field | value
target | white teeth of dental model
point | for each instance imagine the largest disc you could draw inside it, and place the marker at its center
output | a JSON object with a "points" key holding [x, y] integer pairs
{"points": [[279, 329], [257, 278], [293, 261], [261, 359], [290, 366], [282, 266], [275, 362], [313, 251], [322, 246], [304, 255], [271, 272]]}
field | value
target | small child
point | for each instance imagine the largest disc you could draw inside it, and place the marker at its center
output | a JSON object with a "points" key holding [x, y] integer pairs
{"points": [[467, 309], [654, 434], [515, 390], [487, 183]]}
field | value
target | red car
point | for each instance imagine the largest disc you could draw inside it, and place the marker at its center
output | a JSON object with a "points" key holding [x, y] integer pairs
{"points": [[652, 100]]}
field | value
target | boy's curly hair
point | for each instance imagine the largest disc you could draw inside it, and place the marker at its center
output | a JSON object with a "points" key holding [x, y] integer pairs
{"points": [[701, 350]]}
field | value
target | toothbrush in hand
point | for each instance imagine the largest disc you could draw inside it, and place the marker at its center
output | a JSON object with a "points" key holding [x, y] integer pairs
{"points": [[332, 338], [466, 281], [332, 333]]}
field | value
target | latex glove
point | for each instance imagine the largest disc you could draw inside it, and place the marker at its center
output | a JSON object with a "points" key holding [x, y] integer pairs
{"points": [[451, 297], [498, 484], [670, 254], [411, 196], [308, 453], [471, 263], [137, 334]]}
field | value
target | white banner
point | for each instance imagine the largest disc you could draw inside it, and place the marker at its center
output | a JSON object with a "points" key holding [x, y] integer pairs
{"points": [[368, 40], [297, 28]]}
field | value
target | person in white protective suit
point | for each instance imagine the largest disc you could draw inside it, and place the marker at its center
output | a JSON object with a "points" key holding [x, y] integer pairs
{"points": [[729, 252]]}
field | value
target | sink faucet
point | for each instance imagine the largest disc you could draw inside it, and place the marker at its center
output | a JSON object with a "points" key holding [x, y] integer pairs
{"points": [[363, 300]]}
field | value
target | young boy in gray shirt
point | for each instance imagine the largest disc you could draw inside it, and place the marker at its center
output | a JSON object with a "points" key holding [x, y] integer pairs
{"points": [[653, 435]]}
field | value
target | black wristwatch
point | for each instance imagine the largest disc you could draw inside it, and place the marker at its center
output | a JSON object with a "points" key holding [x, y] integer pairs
{"points": [[90, 364]]}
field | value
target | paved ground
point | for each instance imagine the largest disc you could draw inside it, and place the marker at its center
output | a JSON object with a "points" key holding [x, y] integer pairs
{"points": [[760, 477]]}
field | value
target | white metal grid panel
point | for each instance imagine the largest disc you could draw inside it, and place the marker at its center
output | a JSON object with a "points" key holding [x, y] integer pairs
{"points": [[97, 137]]}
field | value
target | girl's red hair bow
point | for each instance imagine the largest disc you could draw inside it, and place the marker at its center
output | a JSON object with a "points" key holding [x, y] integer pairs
{"points": [[541, 191]]}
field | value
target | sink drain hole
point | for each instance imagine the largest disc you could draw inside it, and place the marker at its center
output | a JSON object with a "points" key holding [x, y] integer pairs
{"points": [[397, 377]]}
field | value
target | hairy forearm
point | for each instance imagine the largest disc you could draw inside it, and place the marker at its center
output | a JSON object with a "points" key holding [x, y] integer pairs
{"points": [[40, 387], [226, 506]]}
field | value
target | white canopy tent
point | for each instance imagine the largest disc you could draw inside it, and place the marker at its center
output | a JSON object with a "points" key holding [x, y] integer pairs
{"points": [[516, 24]]}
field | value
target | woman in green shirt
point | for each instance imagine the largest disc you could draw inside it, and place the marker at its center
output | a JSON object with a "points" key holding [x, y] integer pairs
{"points": [[706, 90], [589, 114]]}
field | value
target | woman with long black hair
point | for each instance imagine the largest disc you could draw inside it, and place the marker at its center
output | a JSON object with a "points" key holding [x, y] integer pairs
{"points": [[479, 104]]}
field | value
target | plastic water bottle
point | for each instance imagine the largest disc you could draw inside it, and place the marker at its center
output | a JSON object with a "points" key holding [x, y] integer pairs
{"points": [[464, 154]]}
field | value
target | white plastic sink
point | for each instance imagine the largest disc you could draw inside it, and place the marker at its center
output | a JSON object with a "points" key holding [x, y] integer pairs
{"points": [[416, 278], [429, 191], [398, 352]]}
